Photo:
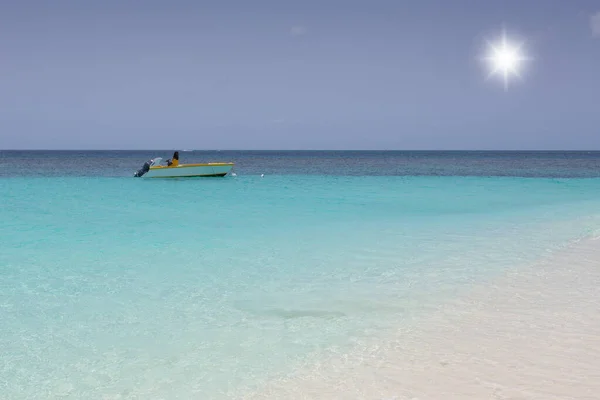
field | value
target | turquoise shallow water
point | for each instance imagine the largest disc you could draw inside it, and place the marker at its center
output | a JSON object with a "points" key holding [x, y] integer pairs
{"points": [[114, 287]]}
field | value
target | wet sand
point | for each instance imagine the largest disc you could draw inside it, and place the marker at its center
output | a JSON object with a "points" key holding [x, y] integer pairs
{"points": [[534, 333]]}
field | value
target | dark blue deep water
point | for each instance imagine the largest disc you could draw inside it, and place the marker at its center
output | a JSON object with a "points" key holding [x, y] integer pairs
{"points": [[551, 164]]}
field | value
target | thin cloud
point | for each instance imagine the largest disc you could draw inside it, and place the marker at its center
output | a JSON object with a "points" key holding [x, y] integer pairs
{"points": [[298, 30], [595, 24]]}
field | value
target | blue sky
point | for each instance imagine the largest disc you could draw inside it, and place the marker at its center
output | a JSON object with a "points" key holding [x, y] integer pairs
{"points": [[296, 75]]}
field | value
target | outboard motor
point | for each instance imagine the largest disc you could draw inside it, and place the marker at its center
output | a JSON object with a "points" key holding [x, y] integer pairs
{"points": [[145, 168]]}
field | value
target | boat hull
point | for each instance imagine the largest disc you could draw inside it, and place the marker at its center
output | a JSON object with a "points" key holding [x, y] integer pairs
{"points": [[190, 170]]}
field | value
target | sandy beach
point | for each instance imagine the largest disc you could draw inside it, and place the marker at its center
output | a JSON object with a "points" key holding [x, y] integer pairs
{"points": [[532, 334]]}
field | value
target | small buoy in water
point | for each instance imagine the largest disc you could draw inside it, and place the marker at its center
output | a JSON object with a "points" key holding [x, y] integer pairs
{"points": [[262, 175], [233, 174]]}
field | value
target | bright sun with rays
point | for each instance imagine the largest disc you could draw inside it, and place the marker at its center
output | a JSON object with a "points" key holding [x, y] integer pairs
{"points": [[505, 59]]}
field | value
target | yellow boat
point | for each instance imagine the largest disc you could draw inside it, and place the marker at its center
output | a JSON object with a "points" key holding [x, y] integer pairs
{"points": [[153, 169]]}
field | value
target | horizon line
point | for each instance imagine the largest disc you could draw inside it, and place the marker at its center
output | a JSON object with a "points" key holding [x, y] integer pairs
{"points": [[321, 150]]}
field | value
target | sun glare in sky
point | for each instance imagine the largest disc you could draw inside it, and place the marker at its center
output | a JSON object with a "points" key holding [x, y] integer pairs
{"points": [[505, 59]]}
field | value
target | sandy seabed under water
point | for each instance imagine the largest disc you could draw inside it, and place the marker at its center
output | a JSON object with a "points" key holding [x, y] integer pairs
{"points": [[534, 333]]}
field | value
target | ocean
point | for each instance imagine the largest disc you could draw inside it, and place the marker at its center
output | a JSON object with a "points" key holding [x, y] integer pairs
{"points": [[114, 287]]}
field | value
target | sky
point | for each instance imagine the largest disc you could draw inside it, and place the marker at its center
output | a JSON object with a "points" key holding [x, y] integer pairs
{"points": [[328, 74]]}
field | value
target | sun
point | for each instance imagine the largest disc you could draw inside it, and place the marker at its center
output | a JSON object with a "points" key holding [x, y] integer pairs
{"points": [[505, 59]]}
